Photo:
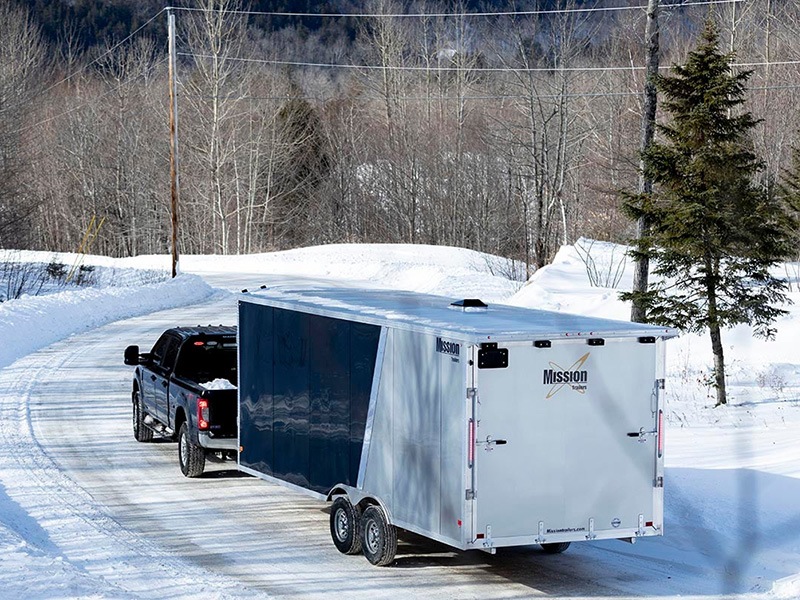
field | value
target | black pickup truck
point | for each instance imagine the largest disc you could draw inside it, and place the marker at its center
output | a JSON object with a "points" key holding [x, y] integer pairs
{"points": [[185, 389]]}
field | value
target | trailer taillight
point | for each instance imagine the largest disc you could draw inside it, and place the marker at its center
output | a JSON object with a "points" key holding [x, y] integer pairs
{"points": [[660, 433], [471, 450], [202, 413]]}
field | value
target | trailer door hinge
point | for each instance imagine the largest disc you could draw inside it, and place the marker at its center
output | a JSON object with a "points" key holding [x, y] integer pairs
{"points": [[660, 383], [470, 495], [471, 392], [659, 482]]}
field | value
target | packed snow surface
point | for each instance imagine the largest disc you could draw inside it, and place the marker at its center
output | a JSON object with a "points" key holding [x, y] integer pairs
{"points": [[732, 481]]}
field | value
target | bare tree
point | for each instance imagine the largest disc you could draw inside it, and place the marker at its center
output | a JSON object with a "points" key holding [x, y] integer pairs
{"points": [[215, 94], [22, 60]]}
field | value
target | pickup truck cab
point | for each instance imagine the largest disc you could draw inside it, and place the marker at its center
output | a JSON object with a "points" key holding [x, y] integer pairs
{"points": [[185, 389]]}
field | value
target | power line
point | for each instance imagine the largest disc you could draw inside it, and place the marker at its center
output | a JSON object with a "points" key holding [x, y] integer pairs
{"points": [[93, 100], [104, 54], [435, 98], [513, 13], [462, 69]]}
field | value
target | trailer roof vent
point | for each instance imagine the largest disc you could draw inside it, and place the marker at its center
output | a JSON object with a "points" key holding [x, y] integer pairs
{"points": [[469, 305]]}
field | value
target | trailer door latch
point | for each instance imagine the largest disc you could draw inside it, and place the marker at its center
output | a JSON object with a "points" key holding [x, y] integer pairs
{"points": [[489, 443], [641, 434]]}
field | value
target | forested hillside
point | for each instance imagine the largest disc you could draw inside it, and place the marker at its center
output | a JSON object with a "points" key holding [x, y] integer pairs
{"points": [[506, 133]]}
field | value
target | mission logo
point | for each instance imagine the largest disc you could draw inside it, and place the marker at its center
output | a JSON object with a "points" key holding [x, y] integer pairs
{"points": [[559, 377], [446, 347]]}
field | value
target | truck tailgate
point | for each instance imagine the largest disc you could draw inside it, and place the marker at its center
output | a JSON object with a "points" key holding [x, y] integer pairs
{"points": [[223, 411]]}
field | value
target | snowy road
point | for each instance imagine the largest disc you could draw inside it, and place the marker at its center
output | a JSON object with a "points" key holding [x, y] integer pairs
{"points": [[114, 518]]}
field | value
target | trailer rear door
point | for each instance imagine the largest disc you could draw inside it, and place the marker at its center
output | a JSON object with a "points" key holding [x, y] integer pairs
{"points": [[558, 444]]}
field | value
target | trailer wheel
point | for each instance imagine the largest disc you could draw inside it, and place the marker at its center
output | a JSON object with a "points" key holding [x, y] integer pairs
{"points": [[378, 537], [556, 548], [346, 526], [141, 432], [191, 457]]}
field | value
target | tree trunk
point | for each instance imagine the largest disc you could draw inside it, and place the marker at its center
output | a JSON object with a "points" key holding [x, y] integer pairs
{"points": [[642, 265], [719, 365], [712, 276]]}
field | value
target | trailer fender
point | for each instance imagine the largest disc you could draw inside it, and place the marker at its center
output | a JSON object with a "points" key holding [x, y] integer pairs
{"points": [[358, 498]]}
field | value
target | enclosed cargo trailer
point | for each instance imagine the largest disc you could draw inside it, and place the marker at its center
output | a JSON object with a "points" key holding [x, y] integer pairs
{"points": [[477, 426]]}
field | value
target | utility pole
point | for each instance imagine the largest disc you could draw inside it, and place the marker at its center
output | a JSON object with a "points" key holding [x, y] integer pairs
{"points": [[642, 263], [173, 140]]}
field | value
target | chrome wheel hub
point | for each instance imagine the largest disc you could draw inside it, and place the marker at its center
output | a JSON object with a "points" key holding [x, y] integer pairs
{"points": [[342, 526], [373, 537]]}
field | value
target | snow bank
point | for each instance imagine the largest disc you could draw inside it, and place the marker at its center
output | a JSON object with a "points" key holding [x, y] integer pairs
{"points": [[32, 322], [441, 270]]}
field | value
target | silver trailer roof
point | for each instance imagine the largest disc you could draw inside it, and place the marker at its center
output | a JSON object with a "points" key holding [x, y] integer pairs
{"points": [[436, 315]]}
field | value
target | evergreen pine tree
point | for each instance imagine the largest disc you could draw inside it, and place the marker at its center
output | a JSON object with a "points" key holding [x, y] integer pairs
{"points": [[715, 233]]}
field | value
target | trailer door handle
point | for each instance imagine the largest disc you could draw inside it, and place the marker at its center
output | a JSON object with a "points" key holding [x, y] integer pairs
{"points": [[641, 434], [489, 443]]}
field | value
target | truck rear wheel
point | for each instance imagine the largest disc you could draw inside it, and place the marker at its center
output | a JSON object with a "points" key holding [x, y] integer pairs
{"points": [[191, 457], [141, 432], [378, 537], [346, 526], [556, 548]]}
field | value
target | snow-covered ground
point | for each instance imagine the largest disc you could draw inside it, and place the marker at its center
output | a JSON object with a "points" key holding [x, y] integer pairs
{"points": [[733, 477]]}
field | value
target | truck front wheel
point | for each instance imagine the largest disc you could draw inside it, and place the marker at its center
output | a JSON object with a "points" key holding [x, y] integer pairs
{"points": [[141, 432], [346, 526], [378, 537], [191, 457]]}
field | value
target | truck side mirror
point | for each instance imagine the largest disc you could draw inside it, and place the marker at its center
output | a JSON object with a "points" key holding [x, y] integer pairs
{"points": [[132, 355]]}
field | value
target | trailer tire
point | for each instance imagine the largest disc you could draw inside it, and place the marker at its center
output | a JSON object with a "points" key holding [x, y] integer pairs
{"points": [[141, 432], [191, 457], [556, 548], [378, 537], [346, 526]]}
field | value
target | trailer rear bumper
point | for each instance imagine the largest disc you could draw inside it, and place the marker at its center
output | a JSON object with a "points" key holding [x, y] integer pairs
{"points": [[627, 535]]}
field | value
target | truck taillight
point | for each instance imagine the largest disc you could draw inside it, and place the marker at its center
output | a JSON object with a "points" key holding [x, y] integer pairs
{"points": [[202, 414], [660, 433]]}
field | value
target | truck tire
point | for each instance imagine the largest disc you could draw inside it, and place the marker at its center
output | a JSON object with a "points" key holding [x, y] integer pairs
{"points": [[378, 537], [141, 432], [556, 548], [191, 457], [346, 526]]}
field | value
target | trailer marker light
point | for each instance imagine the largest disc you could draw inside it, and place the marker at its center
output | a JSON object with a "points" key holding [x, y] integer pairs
{"points": [[199, 343], [459, 522], [480, 536], [660, 433], [649, 524], [202, 414], [471, 448]]}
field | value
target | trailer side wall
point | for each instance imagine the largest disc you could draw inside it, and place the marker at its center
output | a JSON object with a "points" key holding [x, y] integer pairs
{"points": [[305, 385], [416, 460]]}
